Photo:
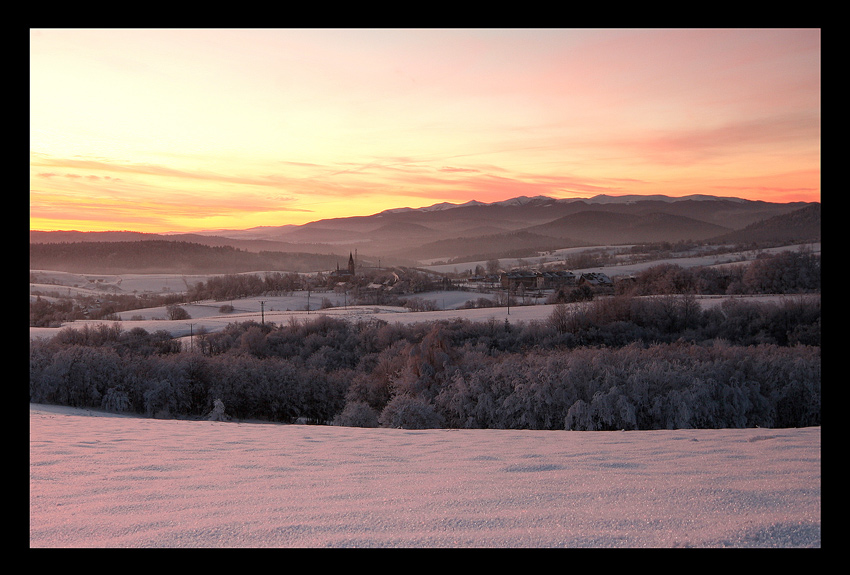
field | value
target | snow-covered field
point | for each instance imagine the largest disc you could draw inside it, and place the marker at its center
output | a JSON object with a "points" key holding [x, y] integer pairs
{"points": [[280, 310], [99, 480], [558, 256]]}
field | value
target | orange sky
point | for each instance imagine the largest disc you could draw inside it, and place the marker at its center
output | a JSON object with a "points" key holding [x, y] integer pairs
{"points": [[158, 130]]}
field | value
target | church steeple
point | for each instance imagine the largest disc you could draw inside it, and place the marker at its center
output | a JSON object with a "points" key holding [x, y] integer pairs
{"points": [[350, 264]]}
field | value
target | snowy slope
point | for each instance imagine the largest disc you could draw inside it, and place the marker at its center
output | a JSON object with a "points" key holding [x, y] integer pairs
{"points": [[132, 482]]}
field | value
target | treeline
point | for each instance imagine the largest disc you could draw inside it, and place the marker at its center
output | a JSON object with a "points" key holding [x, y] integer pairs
{"points": [[786, 272], [235, 286], [638, 363], [54, 309], [164, 256]]}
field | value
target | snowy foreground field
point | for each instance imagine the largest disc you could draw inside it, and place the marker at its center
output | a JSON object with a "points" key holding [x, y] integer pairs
{"points": [[102, 480]]}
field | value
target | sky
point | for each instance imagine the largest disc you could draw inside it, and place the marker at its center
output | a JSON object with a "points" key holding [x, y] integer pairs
{"points": [[181, 130]]}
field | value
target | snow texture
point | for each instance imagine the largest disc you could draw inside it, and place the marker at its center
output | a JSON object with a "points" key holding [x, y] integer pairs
{"points": [[104, 480]]}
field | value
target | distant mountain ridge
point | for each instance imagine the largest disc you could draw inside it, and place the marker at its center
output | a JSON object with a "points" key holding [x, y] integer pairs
{"points": [[598, 199], [455, 231], [605, 227]]}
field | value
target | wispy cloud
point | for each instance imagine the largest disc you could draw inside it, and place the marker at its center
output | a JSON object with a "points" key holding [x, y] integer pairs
{"points": [[691, 145], [151, 196], [454, 170], [149, 170]]}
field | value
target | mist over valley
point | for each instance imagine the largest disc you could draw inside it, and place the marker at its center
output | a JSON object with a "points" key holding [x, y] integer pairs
{"points": [[503, 295]]}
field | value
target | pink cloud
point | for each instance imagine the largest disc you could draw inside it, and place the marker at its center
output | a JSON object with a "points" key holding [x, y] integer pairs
{"points": [[688, 146], [449, 169]]}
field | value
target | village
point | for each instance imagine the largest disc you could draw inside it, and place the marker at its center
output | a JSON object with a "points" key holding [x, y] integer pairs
{"points": [[378, 285]]}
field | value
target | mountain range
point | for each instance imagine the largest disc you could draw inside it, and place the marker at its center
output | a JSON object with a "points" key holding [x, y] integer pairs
{"points": [[474, 229]]}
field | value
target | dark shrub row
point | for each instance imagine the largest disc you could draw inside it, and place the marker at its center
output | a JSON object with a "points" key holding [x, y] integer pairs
{"points": [[614, 363]]}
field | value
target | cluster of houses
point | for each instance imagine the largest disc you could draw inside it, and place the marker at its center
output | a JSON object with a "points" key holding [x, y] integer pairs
{"points": [[515, 280], [537, 280], [552, 279]]}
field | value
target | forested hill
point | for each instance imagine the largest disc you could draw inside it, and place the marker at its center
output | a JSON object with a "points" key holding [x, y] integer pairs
{"points": [[803, 225], [155, 256]]}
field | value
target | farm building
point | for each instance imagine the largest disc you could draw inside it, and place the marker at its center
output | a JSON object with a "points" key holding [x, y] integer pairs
{"points": [[538, 280], [515, 279], [595, 279], [556, 279]]}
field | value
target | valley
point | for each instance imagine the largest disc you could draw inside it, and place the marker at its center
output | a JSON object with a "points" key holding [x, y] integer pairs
{"points": [[443, 261], [301, 305], [364, 341]]}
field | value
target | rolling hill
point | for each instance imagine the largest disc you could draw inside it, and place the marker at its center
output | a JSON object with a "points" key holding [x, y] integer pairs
{"points": [[440, 231], [798, 226], [516, 226], [164, 256], [609, 227]]}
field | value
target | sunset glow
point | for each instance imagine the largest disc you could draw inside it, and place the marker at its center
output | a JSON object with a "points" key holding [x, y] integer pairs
{"points": [[158, 130]]}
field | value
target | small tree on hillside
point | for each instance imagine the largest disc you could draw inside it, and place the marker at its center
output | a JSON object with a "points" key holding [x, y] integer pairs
{"points": [[175, 312]]}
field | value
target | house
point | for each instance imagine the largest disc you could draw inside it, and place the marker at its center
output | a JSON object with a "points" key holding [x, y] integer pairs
{"points": [[516, 279], [595, 280], [538, 280], [556, 279], [484, 282]]}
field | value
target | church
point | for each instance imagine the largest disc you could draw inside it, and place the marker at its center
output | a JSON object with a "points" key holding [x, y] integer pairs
{"points": [[344, 275]]}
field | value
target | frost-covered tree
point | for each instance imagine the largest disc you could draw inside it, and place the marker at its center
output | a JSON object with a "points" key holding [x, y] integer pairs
{"points": [[357, 414], [253, 341], [175, 312], [217, 413], [613, 410], [410, 412], [116, 400], [77, 376], [785, 272], [572, 317], [560, 317], [580, 417], [161, 400]]}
